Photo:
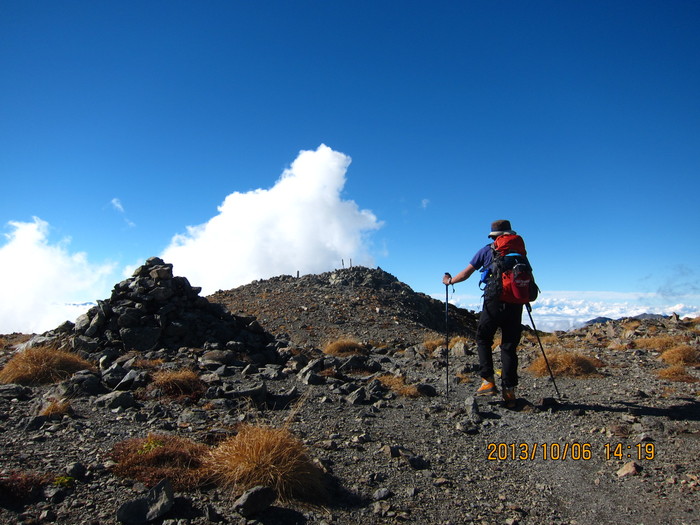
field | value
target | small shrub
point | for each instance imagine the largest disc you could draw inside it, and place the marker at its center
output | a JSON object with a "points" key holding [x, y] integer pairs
{"points": [[463, 377], [148, 364], [344, 347], [681, 355], [18, 488], [57, 409], [273, 457], [159, 456], [568, 364], [64, 481], [661, 342], [178, 384], [42, 365], [397, 383], [433, 344], [676, 373]]}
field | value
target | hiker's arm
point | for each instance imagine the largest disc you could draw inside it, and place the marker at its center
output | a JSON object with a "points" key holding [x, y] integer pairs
{"points": [[461, 276]]}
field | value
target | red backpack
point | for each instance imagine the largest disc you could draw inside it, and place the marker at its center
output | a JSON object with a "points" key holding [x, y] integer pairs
{"points": [[511, 277]]}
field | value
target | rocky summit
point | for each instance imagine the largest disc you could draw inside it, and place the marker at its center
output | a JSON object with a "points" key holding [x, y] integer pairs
{"points": [[392, 421]]}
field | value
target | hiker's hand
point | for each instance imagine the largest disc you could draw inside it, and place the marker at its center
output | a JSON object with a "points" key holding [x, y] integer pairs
{"points": [[447, 279]]}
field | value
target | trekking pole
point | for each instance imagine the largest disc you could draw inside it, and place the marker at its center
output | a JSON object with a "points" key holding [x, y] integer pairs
{"points": [[529, 313], [447, 338]]}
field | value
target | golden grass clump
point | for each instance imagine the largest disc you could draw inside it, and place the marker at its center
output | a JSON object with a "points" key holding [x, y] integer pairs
{"points": [[433, 344], [159, 456], [676, 373], [660, 342], [272, 457], [57, 409], [344, 347], [681, 355], [42, 365], [460, 339], [397, 383], [567, 364], [178, 383], [148, 364]]}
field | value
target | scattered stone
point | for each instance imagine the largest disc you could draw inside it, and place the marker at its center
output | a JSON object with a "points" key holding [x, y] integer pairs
{"points": [[157, 502], [254, 501]]}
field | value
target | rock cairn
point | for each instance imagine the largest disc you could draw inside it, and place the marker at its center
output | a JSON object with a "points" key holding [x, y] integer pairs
{"points": [[156, 310]]}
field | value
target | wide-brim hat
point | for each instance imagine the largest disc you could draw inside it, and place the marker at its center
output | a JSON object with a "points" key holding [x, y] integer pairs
{"points": [[501, 228]]}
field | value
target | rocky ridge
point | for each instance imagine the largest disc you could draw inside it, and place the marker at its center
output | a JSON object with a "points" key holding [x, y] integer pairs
{"points": [[369, 305], [435, 458]]}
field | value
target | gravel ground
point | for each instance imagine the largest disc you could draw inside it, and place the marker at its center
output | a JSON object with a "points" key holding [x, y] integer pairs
{"points": [[620, 446]]}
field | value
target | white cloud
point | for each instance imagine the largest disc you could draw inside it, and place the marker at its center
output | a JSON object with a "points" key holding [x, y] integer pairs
{"points": [[117, 205], [563, 310], [300, 224], [424, 203], [42, 282]]}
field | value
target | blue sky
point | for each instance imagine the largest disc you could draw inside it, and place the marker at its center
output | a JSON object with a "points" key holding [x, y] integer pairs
{"points": [[133, 129]]}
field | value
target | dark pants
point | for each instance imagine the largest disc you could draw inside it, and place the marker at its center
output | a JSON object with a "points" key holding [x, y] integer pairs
{"points": [[507, 317]]}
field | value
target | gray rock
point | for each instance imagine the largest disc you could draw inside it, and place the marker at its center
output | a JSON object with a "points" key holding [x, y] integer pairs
{"points": [[116, 400], [255, 501], [12, 391], [159, 500]]}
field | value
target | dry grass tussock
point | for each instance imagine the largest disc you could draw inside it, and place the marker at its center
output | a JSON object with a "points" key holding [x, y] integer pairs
{"points": [[57, 409], [676, 373], [148, 364], [397, 383], [273, 457], [42, 365], [681, 355], [344, 347], [159, 456], [660, 342], [567, 364], [433, 344], [17, 487], [178, 383]]}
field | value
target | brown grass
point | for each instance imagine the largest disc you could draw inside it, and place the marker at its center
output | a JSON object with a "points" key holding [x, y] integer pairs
{"points": [[660, 342], [631, 325], [676, 373], [273, 457], [433, 344], [178, 383], [567, 364], [460, 339], [463, 377], [57, 409], [42, 365], [159, 456], [681, 355], [148, 364], [18, 488], [397, 383], [344, 347]]}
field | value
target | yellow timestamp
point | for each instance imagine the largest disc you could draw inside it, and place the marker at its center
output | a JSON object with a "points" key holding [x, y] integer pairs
{"points": [[544, 451], [639, 451], [567, 451]]}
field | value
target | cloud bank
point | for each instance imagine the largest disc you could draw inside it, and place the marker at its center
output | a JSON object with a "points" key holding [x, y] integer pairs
{"points": [[300, 224], [42, 284], [564, 310]]}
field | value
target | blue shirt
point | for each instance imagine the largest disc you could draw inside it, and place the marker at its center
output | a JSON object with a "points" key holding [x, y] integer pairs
{"points": [[483, 258]]}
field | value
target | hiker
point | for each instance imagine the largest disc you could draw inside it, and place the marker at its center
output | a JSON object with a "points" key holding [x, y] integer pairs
{"points": [[495, 314]]}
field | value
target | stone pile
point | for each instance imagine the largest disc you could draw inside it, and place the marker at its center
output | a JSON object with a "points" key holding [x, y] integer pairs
{"points": [[156, 310]]}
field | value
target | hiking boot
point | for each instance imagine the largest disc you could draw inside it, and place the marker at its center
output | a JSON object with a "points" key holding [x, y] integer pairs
{"points": [[509, 397], [487, 388]]}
